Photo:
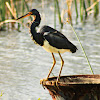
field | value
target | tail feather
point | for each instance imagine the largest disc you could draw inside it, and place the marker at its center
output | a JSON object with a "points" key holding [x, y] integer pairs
{"points": [[73, 48]]}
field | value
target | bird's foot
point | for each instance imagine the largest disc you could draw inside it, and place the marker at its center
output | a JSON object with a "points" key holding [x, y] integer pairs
{"points": [[57, 82], [58, 79], [43, 82]]}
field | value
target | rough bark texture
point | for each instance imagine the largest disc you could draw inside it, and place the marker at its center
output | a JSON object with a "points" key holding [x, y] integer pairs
{"points": [[75, 87]]}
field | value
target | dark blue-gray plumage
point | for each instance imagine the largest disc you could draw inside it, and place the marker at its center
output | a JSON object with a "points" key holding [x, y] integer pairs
{"points": [[50, 39], [57, 39]]}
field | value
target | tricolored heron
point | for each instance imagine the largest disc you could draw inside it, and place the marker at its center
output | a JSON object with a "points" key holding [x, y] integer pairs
{"points": [[50, 39]]}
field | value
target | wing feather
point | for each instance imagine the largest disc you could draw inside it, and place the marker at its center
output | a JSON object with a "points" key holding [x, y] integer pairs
{"points": [[57, 39]]}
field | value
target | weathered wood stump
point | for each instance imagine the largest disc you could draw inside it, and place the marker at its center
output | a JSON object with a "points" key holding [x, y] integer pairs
{"points": [[75, 87]]}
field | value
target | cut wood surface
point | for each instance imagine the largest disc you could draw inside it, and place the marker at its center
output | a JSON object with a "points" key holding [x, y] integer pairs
{"points": [[75, 87]]}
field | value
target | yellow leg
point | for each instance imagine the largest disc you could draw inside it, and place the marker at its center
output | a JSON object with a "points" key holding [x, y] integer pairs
{"points": [[62, 63], [54, 62]]}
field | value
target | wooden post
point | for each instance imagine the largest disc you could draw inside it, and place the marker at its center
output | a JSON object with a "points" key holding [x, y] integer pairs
{"points": [[75, 87]]}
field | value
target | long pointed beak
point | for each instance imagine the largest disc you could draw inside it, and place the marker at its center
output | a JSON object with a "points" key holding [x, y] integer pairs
{"points": [[26, 15]]}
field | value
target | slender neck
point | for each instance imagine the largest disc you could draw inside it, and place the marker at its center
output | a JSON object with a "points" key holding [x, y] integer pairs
{"points": [[35, 23], [38, 38], [37, 20], [32, 28]]}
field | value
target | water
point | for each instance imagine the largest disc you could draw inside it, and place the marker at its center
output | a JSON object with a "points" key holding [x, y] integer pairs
{"points": [[23, 64]]}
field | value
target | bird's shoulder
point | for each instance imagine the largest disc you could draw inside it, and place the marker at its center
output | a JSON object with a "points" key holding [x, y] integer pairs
{"points": [[46, 28], [49, 31]]}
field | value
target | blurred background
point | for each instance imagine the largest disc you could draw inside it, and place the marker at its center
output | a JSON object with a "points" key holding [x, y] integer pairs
{"points": [[23, 64]]}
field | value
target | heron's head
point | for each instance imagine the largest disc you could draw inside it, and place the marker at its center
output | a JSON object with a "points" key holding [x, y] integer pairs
{"points": [[35, 14]]}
